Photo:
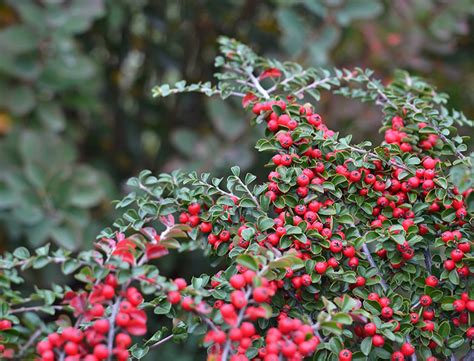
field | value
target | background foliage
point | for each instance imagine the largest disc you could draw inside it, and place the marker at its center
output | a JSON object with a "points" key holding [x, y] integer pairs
{"points": [[77, 117]]}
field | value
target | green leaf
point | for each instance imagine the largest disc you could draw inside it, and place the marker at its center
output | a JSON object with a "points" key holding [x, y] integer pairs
{"points": [[358, 9], [455, 341], [21, 253], [343, 318], [52, 116], [265, 223], [444, 329], [139, 351], [248, 233], [248, 261], [235, 170], [18, 39], [366, 346], [332, 327], [69, 266], [286, 261], [163, 308], [454, 277]]}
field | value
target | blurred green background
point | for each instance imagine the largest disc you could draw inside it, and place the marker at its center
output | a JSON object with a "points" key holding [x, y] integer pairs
{"points": [[77, 117]]}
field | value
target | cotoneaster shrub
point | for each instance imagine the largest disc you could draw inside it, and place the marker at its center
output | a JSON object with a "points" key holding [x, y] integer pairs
{"points": [[345, 252]]}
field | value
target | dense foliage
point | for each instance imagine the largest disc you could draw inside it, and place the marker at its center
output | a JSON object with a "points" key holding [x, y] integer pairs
{"points": [[75, 77], [343, 252]]}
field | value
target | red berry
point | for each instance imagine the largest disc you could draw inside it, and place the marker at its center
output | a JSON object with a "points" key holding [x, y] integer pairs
{"points": [[102, 326], [237, 281], [321, 267], [238, 299], [101, 351], [407, 349], [387, 312], [378, 341], [345, 355], [260, 294], [71, 348], [425, 300], [174, 297], [108, 292], [459, 305], [122, 319], [123, 340], [431, 281], [194, 208], [370, 329], [97, 310], [397, 356], [429, 163]]}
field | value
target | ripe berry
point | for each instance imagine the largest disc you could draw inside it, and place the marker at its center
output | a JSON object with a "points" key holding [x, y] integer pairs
{"points": [[302, 180], [108, 292], [102, 326], [237, 281], [71, 348], [431, 281], [123, 340], [194, 208], [101, 351], [370, 329], [414, 317], [205, 227], [97, 310], [457, 255], [260, 294], [429, 163], [459, 305], [238, 299], [345, 355], [470, 306], [174, 297], [321, 267], [248, 329], [425, 300], [122, 319], [336, 246], [449, 265], [387, 312], [407, 349], [378, 341], [397, 356], [349, 251]]}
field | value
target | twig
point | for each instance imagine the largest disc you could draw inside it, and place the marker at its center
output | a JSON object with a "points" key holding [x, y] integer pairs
{"points": [[113, 315], [30, 341], [428, 261], [240, 317], [366, 251], [162, 341], [257, 84], [285, 81], [313, 85], [379, 91], [384, 285], [35, 309], [247, 190]]}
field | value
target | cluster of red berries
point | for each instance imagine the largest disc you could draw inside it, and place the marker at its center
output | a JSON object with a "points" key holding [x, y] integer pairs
{"points": [[5, 352], [92, 343], [395, 135], [463, 306], [291, 339], [249, 292], [455, 256]]}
